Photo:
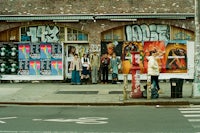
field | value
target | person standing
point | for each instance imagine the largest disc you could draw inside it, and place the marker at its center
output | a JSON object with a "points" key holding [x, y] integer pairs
{"points": [[114, 63], [153, 69], [105, 61], [95, 64], [86, 66], [76, 68]]}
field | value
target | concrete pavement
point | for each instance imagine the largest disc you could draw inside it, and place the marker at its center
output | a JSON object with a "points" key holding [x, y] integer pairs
{"points": [[58, 93]]}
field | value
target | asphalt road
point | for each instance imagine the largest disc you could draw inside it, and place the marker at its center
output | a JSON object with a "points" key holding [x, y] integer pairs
{"points": [[97, 119]]}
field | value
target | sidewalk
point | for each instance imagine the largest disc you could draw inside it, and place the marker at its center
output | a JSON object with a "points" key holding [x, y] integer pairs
{"points": [[56, 93]]}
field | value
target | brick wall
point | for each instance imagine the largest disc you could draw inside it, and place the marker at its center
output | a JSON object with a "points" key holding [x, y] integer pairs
{"points": [[28, 7]]}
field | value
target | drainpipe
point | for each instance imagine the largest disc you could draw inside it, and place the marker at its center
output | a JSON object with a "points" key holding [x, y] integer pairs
{"points": [[196, 84]]}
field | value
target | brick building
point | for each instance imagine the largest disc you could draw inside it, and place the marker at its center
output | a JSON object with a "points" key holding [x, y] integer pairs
{"points": [[90, 25]]}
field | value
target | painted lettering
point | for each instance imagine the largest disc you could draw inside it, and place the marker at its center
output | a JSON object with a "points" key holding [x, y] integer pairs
{"points": [[43, 34], [145, 32]]}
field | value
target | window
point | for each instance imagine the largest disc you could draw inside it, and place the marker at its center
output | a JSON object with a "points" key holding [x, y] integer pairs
{"points": [[75, 35], [113, 35], [62, 34]]}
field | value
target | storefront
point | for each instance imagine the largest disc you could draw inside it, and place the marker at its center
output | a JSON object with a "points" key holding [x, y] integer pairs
{"points": [[43, 45], [174, 45]]}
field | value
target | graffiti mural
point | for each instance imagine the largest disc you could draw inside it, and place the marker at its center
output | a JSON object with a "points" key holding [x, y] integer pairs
{"points": [[111, 47], [40, 34], [158, 47], [176, 55], [145, 32], [127, 49]]}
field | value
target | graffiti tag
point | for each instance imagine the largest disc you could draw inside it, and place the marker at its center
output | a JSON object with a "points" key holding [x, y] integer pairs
{"points": [[43, 34], [148, 32]]}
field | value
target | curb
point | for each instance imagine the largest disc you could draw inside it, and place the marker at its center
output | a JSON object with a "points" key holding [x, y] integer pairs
{"points": [[149, 103]]}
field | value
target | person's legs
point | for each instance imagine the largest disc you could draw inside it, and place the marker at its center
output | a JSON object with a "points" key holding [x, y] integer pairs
{"points": [[73, 81], [157, 82], [152, 78], [106, 74], [78, 81], [153, 81], [93, 74], [114, 78]]}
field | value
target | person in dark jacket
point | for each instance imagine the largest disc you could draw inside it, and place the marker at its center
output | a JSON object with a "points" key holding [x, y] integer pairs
{"points": [[105, 62]]}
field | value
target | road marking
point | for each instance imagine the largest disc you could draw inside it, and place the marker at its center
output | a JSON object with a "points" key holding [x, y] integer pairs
{"points": [[196, 126], [92, 120], [189, 109], [190, 112], [194, 120], [6, 118], [191, 115], [82, 120]]}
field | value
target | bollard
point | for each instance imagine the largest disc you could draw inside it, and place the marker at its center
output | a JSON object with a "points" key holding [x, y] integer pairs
{"points": [[148, 87], [125, 87]]}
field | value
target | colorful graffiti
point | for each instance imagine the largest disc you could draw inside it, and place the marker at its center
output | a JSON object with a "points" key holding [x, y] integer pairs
{"points": [[127, 49], [159, 47], [111, 47], [172, 57], [145, 32], [40, 34], [176, 57]]}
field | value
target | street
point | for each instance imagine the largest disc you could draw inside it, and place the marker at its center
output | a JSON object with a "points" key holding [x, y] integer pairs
{"points": [[99, 119]]}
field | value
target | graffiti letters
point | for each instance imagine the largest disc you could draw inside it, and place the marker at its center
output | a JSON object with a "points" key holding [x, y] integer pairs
{"points": [[41, 34], [148, 32]]}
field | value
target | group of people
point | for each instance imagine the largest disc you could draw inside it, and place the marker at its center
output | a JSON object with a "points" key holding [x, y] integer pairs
{"points": [[89, 66], [86, 67]]}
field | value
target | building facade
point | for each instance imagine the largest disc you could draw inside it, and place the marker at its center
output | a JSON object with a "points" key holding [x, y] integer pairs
{"points": [[95, 25]]}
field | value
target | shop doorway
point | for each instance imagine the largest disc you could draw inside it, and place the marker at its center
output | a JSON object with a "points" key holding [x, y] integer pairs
{"points": [[70, 50]]}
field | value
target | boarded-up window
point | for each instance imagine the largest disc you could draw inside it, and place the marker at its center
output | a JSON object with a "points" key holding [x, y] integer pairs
{"points": [[116, 34], [10, 35], [181, 34]]}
